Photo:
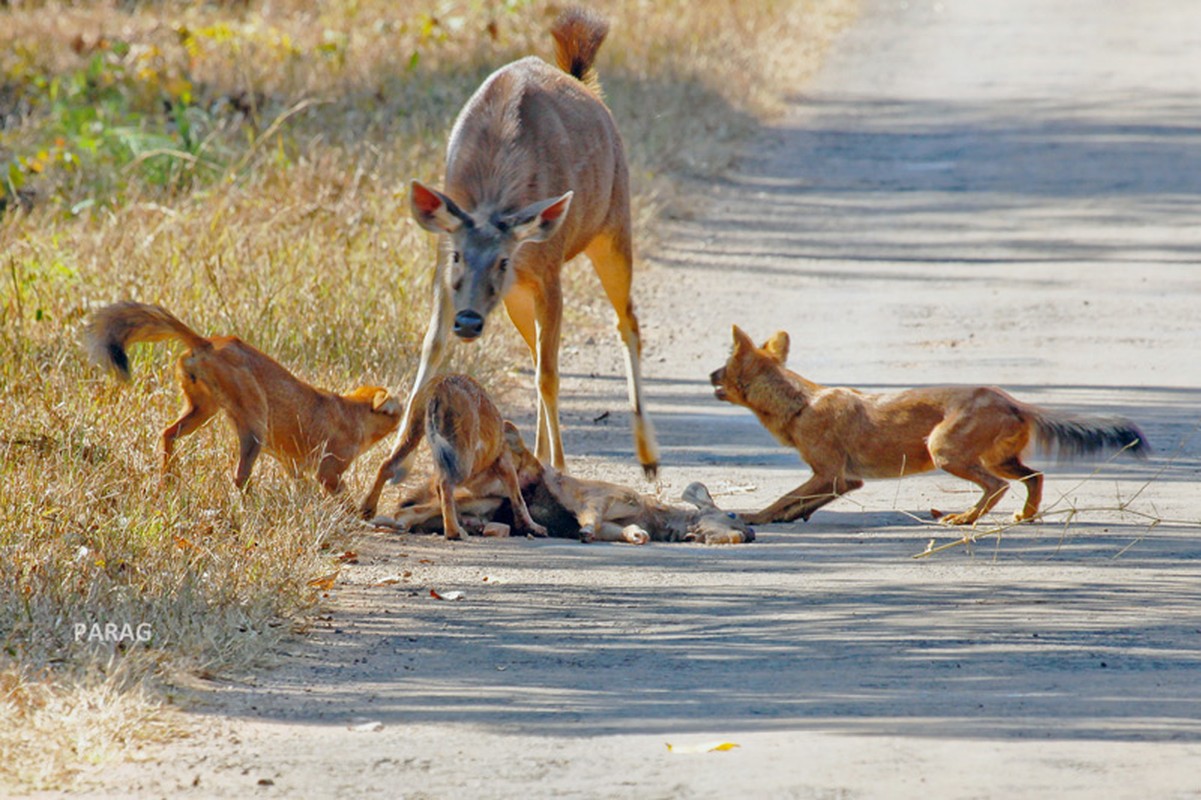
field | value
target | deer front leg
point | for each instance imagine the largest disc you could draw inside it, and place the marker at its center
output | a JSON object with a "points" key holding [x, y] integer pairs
{"points": [[433, 350], [548, 309]]}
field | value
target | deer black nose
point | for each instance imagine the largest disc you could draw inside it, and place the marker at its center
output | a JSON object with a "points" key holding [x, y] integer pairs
{"points": [[468, 324]]}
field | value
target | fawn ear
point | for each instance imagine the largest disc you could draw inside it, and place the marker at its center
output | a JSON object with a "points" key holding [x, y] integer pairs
{"points": [[742, 342], [435, 211], [777, 347], [699, 496], [384, 403], [539, 221]]}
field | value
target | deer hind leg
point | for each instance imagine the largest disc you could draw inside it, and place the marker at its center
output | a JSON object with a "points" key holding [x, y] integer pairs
{"points": [[612, 258]]}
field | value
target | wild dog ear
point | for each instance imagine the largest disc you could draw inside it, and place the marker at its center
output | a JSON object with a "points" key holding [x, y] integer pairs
{"points": [[741, 340], [699, 496], [777, 347], [513, 437], [539, 221], [384, 403], [435, 211]]}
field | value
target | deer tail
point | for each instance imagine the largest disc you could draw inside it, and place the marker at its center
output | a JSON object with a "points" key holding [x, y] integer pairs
{"points": [[578, 35]]}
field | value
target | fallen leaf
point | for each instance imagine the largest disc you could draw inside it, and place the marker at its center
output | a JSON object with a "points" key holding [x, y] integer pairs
{"points": [[349, 555], [703, 747], [446, 595], [371, 726], [325, 582], [388, 581]]}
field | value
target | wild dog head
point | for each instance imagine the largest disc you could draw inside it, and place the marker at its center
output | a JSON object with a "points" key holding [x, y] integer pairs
{"points": [[745, 364], [481, 247], [712, 525], [383, 412], [529, 469]]}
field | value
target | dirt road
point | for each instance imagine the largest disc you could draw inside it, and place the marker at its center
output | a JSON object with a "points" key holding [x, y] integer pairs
{"points": [[1003, 193]]}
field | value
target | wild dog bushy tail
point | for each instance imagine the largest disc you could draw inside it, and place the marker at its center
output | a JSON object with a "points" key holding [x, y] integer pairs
{"points": [[1072, 437], [578, 35], [114, 328], [439, 423]]}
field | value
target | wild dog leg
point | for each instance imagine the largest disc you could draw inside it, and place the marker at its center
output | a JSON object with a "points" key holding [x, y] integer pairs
{"points": [[250, 444], [521, 514], [802, 501], [1016, 470], [192, 419], [994, 489]]}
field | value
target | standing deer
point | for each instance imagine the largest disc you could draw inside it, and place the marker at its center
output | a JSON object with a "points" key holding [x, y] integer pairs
{"points": [[535, 175]]}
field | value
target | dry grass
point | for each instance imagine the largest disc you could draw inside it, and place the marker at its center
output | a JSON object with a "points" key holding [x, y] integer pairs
{"points": [[243, 166]]}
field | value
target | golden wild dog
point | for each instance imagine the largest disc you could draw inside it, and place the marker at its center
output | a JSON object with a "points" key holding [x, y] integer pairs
{"points": [[467, 437], [977, 433], [588, 510], [270, 408], [535, 174]]}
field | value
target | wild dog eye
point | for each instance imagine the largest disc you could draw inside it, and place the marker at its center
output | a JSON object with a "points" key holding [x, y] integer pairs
{"points": [[503, 265], [454, 257]]}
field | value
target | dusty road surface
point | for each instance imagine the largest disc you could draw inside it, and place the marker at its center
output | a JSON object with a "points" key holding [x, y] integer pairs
{"points": [[1003, 193]]}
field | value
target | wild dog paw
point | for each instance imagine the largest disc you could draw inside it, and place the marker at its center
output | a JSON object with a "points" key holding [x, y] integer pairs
{"points": [[534, 529]]}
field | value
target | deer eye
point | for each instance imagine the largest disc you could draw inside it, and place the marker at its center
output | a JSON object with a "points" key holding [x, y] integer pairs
{"points": [[454, 257]]}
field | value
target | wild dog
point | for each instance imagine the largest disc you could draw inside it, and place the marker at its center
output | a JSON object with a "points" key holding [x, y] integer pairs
{"points": [[467, 437], [270, 408], [589, 510], [977, 433], [536, 173]]}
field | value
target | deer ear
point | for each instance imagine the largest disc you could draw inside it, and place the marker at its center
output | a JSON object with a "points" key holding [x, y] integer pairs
{"points": [[777, 347], [699, 496], [539, 221], [435, 211]]}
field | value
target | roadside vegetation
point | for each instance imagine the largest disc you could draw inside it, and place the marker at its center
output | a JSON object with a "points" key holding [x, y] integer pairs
{"points": [[245, 165]]}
